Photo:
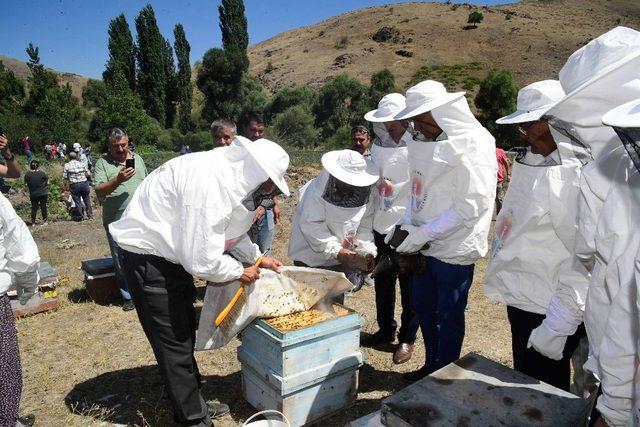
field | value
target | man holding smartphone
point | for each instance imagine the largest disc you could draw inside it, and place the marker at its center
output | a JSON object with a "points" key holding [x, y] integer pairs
{"points": [[116, 176]]}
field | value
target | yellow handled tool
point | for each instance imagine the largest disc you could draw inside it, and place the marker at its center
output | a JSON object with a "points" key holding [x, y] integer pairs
{"points": [[239, 293]]}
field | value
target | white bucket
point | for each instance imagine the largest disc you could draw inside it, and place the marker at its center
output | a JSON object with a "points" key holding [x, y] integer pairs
{"points": [[267, 423]]}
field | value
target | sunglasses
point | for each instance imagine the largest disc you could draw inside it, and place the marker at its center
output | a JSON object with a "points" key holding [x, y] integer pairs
{"points": [[359, 129], [524, 127]]}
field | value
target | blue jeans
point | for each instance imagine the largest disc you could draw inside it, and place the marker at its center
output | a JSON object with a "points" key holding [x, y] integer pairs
{"points": [[266, 228], [118, 261], [439, 299]]}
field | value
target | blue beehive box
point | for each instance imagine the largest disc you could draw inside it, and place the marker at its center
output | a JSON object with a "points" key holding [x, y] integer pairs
{"points": [[307, 373]]}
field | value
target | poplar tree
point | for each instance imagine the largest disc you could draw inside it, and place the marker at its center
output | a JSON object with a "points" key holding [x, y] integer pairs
{"points": [[120, 71], [183, 79], [171, 91], [152, 79], [233, 25]]}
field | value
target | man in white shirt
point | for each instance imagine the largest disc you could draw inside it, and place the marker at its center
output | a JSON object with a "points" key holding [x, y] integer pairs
{"points": [[189, 218]]}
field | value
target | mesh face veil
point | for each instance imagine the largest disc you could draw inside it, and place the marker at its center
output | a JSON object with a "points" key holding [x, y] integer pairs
{"points": [[630, 138], [344, 195]]}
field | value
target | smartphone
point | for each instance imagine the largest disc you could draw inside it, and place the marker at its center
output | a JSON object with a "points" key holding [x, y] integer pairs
{"points": [[130, 163], [398, 237]]}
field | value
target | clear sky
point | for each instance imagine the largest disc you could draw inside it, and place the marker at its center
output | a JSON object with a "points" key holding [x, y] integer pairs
{"points": [[72, 34]]}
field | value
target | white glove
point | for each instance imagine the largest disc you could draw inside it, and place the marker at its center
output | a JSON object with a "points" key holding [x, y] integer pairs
{"points": [[550, 337], [547, 342], [414, 241]]}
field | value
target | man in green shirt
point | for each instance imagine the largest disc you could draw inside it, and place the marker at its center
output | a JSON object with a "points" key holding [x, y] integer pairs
{"points": [[116, 175]]}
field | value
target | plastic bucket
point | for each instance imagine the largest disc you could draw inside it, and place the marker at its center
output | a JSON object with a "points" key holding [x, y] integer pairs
{"points": [[267, 423]]}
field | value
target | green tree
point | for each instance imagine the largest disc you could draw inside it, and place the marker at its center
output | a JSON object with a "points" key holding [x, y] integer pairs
{"points": [[382, 83], [183, 79], [295, 127], [342, 101], [171, 91], [233, 26], [120, 71], [475, 18], [152, 79], [39, 82], [11, 89], [496, 97], [219, 79], [124, 110], [289, 97], [58, 116], [253, 98], [94, 93]]}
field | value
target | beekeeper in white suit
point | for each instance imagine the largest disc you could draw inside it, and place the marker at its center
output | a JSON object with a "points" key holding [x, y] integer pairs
{"points": [[618, 350], [186, 219], [332, 225], [596, 78], [532, 268], [453, 174], [390, 198]]}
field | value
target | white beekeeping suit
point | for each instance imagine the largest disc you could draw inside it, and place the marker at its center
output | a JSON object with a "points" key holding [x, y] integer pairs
{"points": [[391, 193], [194, 209], [611, 306], [18, 254], [453, 184], [330, 216], [540, 206]]}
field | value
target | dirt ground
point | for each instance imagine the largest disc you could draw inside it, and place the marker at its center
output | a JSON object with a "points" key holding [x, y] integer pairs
{"points": [[91, 365]]}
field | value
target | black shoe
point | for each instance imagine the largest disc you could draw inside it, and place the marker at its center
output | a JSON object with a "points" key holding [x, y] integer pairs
{"points": [[128, 305], [26, 421], [379, 338], [416, 375], [217, 409]]}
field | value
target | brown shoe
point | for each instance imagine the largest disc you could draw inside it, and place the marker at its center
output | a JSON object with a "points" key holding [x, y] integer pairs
{"points": [[403, 353]]}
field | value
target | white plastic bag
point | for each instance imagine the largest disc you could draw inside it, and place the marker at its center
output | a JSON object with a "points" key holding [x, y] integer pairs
{"points": [[294, 289]]}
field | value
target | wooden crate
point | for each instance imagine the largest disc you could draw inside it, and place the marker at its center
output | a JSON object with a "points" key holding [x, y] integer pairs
{"points": [[476, 391]]}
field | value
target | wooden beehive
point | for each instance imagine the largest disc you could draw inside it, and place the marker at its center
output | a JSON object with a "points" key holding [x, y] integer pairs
{"points": [[306, 373]]}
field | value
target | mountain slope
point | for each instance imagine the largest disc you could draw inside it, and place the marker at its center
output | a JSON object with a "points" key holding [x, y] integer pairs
{"points": [[531, 38]]}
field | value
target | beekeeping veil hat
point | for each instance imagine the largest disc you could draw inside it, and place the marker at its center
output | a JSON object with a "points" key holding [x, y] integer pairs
{"points": [[625, 120], [424, 97], [270, 157], [390, 105], [534, 101], [350, 178], [596, 78], [349, 167]]}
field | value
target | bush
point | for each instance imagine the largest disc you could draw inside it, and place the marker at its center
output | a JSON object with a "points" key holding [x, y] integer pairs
{"points": [[496, 98], [342, 101], [342, 42], [294, 127], [340, 139], [288, 97]]}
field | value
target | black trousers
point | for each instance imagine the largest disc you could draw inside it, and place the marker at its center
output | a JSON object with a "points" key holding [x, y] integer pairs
{"points": [[385, 286], [529, 361], [163, 294], [38, 202]]}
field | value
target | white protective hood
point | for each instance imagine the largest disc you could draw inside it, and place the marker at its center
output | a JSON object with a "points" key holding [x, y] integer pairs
{"points": [[391, 192], [184, 210], [453, 185], [596, 78], [319, 229]]}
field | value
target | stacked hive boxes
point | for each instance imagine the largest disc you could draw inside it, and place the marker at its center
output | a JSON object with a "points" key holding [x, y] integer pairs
{"points": [[306, 373]]}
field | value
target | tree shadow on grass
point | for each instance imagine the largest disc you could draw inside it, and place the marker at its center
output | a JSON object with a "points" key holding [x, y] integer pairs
{"points": [[137, 396]]}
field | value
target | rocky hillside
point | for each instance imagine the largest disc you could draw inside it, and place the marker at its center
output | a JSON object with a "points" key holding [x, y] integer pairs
{"points": [[21, 70], [531, 38]]}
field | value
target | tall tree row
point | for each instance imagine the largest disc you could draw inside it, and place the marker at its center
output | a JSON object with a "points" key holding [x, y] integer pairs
{"points": [[152, 76], [120, 71], [183, 79]]}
